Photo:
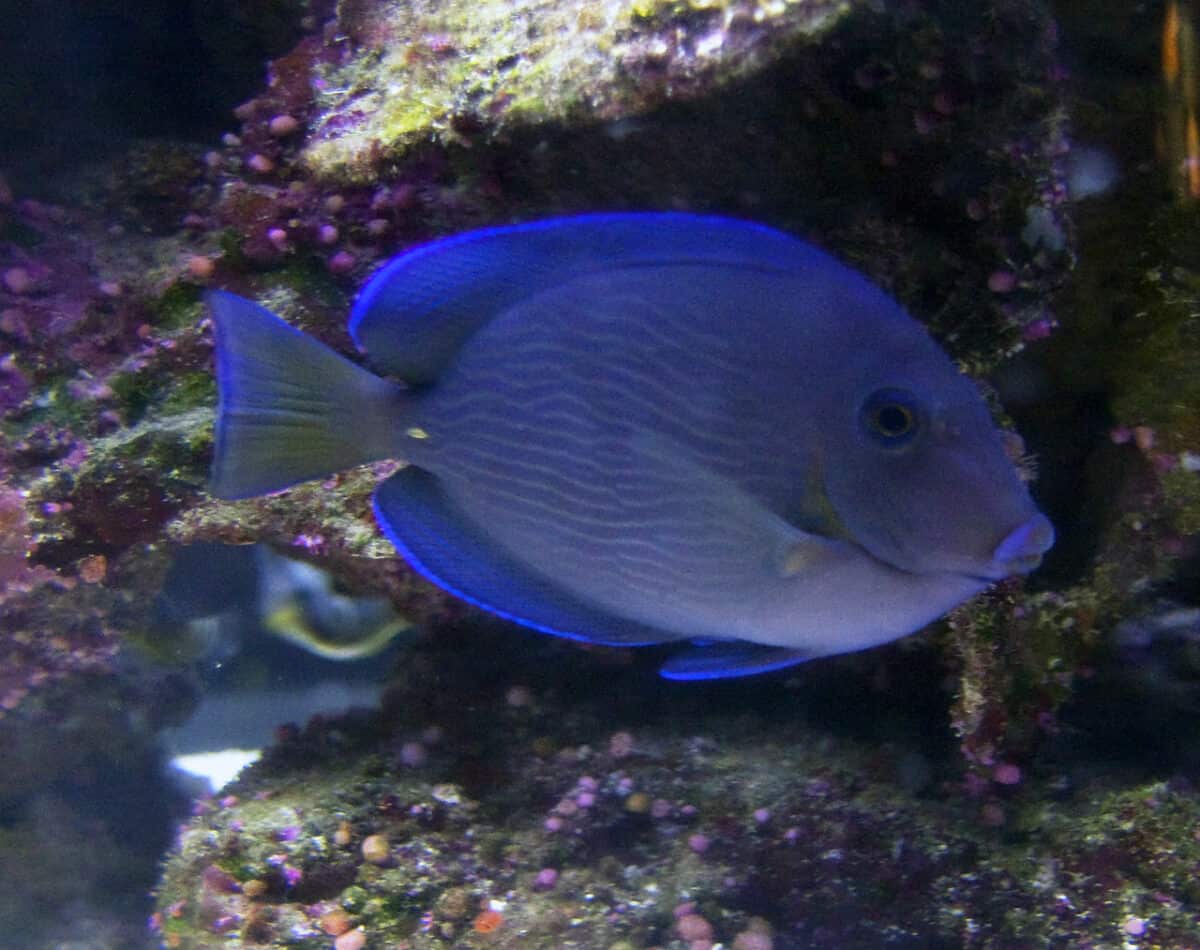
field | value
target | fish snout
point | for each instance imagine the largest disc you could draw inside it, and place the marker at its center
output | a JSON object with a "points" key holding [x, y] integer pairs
{"points": [[1021, 551]]}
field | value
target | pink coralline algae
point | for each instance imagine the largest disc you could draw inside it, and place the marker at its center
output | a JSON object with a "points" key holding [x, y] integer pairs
{"points": [[753, 940], [413, 754], [260, 163], [219, 881], [1002, 282], [14, 384], [282, 126], [692, 928], [620, 745], [15, 542], [58, 309], [342, 262], [1039, 329], [699, 843], [351, 940], [80, 333], [18, 280], [201, 267]]}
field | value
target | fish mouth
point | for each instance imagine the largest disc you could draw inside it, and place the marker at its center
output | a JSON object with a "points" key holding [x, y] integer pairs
{"points": [[1022, 548]]}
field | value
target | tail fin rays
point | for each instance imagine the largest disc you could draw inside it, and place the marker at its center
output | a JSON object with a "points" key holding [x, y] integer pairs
{"points": [[290, 408]]}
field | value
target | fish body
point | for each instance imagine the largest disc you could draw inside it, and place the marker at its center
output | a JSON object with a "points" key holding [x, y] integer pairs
{"points": [[646, 428]]}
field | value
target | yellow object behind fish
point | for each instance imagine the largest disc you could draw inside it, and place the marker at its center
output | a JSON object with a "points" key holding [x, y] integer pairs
{"points": [[290, 623]]}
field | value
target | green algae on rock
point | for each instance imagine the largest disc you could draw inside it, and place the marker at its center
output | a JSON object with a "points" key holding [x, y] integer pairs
{"points": [[913, 140], [740, 815], [873, 135], [449, 68]]}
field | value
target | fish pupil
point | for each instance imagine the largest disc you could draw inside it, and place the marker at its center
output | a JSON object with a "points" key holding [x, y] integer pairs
{"points": [[893, 420], [890, 417]]}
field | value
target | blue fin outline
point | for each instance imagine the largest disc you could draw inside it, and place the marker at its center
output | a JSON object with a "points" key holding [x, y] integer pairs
{"points": [[418, 309], [446, 549], [728, 659]]}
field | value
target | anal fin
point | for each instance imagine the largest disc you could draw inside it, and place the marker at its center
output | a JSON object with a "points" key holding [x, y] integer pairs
{"points": [[456, 555]]}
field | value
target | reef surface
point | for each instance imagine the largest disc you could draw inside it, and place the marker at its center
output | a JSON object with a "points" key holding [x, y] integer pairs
{"points": [[509, 797], [926, 144]]}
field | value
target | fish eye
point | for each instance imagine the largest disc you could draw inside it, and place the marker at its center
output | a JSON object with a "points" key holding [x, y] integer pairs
{"points": [[891, 417]]}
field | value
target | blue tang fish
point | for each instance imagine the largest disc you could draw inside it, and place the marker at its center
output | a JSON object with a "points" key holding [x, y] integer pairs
{"points": [[633, 429]]}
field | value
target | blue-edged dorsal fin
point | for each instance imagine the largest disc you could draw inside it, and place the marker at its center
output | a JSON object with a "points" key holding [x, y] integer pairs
{"points": [[721, 660], [290, 408], [455, 555], [415, 313]]}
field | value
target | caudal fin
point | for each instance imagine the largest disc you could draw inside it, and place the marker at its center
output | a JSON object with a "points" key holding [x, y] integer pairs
{"points": [[290, 408]]}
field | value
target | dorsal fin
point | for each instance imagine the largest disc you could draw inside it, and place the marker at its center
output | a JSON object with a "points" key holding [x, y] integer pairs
{"points": [[415, 313]]}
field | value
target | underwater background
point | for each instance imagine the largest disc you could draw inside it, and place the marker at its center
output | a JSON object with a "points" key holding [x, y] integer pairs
{"points": [[1022, 175]]}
